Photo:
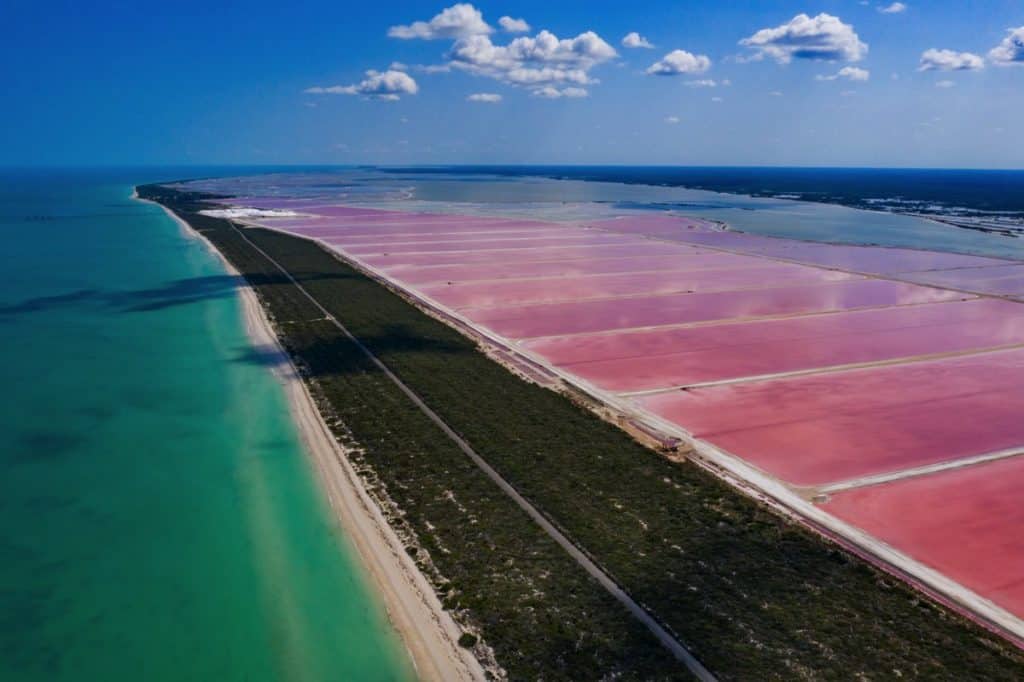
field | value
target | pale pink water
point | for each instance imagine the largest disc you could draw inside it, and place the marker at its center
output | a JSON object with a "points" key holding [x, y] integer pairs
{"points": [[591, 316], [518, 292]]}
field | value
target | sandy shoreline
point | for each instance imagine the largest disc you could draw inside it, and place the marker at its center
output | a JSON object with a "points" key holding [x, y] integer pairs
{"points": [[427, 631]]}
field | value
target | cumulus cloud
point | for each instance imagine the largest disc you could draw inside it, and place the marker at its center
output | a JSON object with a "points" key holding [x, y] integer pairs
{"points": [[389, 85], [551, 92], [851, 73], [510, 25], [894, 8], [678, 62], [1010, 50], [544, 60], [823, 37], [635, 40], [945, 84], [457, 21], [672, 120], [487, 97], [535, 63], [703, 83], [949, 60]]}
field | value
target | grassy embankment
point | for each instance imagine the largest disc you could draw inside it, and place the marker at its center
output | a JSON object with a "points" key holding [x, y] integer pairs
{"points": [[754, 596]]}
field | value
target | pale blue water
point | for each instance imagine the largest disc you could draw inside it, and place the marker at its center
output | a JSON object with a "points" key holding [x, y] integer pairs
{"points": [[573, 193], [158, 517]]}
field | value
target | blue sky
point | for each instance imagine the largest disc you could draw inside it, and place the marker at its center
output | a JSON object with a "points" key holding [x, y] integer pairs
{"points": [[936, 83]]}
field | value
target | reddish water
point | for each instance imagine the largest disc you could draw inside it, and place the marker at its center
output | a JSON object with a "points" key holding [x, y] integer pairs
{"points": [[964, 523], [824, 428], [590, 316], [654, 302], [677, 357], [519, 292]]}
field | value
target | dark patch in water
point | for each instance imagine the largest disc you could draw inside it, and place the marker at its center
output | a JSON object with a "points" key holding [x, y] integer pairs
{"points": [[178, 292], [261, 356], [44, 445]]}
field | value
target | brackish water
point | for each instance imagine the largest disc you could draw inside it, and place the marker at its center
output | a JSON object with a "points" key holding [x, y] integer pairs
{"points": [[159, 519]]}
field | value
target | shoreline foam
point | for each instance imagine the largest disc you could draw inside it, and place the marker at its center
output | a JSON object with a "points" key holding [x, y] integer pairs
{"points": [[426, 630]]}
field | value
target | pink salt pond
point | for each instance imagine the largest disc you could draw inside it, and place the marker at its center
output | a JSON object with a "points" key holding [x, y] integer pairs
{"points": [[816, 364], [830, 427], [964, 523], [590, 316], [477, 244], [537, 261], [1002, 280], [660, 358], [518, 292]]}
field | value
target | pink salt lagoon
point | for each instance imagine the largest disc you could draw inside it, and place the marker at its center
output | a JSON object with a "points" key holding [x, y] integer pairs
{"points": [[846, 382]]}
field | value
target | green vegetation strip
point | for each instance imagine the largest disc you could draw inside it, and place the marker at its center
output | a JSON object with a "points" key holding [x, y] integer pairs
{"points": [[752, 595], [666, 638]]}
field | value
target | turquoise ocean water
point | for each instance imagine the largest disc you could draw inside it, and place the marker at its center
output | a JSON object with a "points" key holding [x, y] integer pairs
{"points": [[159, 519]]}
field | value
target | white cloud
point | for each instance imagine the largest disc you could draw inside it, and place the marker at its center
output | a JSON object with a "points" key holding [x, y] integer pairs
{"points": [[703, 83], [949, 60], [679, 62], [398, 66], [852, 73], [487, 97], [544, 60], [550, 92], [635, 40], [533, 63], [389, 85], [823, 37], [945, 84], [672, 120], [894, 8], [716, 99], [1010, 50], [510, 25], [775, 93], [458, 21]]}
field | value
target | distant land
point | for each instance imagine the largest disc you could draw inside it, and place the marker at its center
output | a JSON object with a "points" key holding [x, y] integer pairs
{"points": [[988, 200]]}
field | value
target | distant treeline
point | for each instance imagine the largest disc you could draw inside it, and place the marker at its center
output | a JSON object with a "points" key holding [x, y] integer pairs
{"points": [[979, 190]]}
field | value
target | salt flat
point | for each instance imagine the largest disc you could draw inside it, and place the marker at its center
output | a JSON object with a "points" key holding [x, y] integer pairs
{"points": [[814, 364]]}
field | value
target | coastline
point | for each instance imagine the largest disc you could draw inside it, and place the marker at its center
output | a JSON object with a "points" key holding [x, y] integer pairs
{"points": [[426, 630]]}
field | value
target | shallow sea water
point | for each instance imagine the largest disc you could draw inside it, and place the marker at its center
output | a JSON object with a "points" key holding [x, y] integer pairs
{"points": [[159, 518]]}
